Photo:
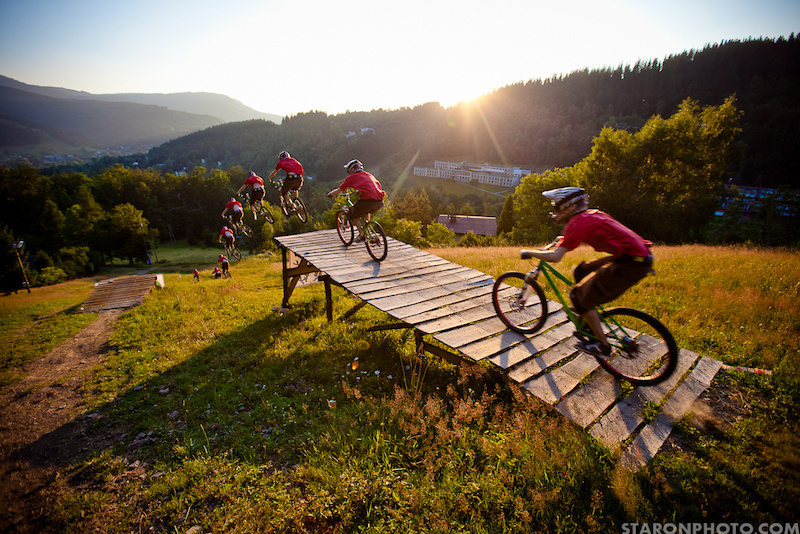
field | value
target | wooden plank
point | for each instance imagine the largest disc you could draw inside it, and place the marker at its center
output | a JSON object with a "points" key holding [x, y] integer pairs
{"points": [[628, 414], [507, 339], [550, 387], [585, 404], [547, 352], [478, 289], [647, 443]]}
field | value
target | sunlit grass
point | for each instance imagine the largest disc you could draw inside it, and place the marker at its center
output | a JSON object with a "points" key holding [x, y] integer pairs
{"points": [[258, 421]]}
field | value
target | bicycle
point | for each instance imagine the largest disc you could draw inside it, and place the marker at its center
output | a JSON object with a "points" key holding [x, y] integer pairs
{"points": [[239, 227], [374, 235], [260, 209], [643, 349], [232, 250], [296, 205]]}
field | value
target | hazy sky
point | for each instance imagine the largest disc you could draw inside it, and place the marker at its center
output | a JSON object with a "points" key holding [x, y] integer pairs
{"points": [[290, 56]]}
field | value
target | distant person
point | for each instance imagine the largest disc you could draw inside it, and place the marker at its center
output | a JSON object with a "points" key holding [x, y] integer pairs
{"points": [[226, 236], [217, 273], [602, 280], [236, 210], [223, 260], [293, 181], [370, 194], [257, 185], [196, 275]]}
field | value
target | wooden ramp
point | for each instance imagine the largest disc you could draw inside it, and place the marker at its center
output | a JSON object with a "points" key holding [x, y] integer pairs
{"points": [[120, 293], [453, 305]]}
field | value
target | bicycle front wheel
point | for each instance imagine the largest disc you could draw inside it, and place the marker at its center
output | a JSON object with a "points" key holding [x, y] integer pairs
{"points": [[643, 349], [344, 227], [246, 230], [376, 241], [236, 254], [300, 210], [521, 306]]}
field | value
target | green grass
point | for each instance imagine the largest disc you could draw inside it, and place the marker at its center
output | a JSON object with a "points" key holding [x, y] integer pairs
{"points": [[263, 422]]}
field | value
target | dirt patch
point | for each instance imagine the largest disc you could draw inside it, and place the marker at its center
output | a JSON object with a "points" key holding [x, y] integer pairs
{"points": [[42, 423]]}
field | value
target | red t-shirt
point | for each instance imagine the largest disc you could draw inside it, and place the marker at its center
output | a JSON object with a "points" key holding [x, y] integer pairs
{"points": [[222, 258], [234, 205], [603, 233], [254, 181], [367, 186], [226, 233], [290, 165]]}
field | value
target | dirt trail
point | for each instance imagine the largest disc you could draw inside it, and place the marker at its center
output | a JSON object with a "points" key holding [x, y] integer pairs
{"points": [[42, 423]]}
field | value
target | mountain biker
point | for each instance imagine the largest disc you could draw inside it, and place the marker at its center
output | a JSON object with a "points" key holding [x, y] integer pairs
{"points": [[223, 259], [196, 275], [236, 210], [370, 193], [257, 184], [226, 234], [217, 273], [294, 177], [602, 280]]}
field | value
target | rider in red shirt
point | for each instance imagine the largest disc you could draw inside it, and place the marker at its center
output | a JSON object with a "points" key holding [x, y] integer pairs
{"points": [[257, 184], [370, 193], [294, 177], [606, 278], [226, 234], [236, 210], [225, 265]]}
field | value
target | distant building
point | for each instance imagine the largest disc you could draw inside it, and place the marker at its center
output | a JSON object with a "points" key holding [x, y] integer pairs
{"points": [[485, 173], [462, 224], [753, 198]]}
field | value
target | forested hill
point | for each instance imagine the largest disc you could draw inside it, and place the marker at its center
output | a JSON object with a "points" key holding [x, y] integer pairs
{"points": [[537, 124]]}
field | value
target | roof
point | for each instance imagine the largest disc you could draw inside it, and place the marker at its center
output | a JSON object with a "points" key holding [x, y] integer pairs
{"points": [[461, 224]]}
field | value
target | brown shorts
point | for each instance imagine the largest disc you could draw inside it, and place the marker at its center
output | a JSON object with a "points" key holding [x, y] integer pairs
{"points": [[364, 207], [607, 283], [291, 183]]}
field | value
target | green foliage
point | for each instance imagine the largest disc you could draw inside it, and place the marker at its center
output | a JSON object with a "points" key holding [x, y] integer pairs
{"points": [[408, 232], [439, 235]]}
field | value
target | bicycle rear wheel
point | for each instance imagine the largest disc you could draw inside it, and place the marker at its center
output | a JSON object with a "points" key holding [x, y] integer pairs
{"points": [[264, 212], [643, 349], [235, 253], [246, 230], [344, 227], [376, 241], [300, 210], [520, 305]]}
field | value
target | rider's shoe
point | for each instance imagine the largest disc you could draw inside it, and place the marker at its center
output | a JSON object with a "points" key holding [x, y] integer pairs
{"points": [[359, 239], [595, 348]]}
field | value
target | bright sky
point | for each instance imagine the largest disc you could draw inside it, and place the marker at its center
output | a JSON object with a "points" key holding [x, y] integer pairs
{"points": [[291, 56]]}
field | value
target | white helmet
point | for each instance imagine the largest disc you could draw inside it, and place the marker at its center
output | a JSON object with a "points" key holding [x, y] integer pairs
{"points": [[567, 201], [283, 155], [354, 166]]}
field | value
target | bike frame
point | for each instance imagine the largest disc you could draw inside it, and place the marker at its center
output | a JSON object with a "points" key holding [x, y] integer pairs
{"points": [[550, 273]]}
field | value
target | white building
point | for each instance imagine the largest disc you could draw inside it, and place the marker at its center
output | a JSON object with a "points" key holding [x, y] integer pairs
{"points": [[485, 173]]}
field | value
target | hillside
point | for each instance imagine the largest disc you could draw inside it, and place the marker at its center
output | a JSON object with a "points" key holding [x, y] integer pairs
{"points": [[34, 117], [539, 124]]}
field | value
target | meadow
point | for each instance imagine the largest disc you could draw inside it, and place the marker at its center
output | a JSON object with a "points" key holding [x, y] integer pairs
{"points": [[263, 421]]}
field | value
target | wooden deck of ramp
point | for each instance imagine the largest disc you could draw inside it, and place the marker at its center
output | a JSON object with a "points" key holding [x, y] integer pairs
{"points": [[452, 304]]}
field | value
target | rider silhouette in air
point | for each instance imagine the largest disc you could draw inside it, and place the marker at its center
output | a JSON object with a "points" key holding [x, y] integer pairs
{"points": [[293, 181], [236, 210], [257, 184]]}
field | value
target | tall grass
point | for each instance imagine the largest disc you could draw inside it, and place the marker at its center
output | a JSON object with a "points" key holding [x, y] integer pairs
{"points": [[233, 417]]}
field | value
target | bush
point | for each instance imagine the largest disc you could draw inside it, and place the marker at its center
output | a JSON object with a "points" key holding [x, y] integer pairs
{"points": [[50, 275], [439, 235], [409, 232]]}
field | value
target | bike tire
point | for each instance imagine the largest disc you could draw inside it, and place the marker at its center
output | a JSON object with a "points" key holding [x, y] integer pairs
{"points": [[264, 212], [526, 316], [344, 227], [300, 210], [246, 230], [377, 247], [643, 350], [236, 254]]}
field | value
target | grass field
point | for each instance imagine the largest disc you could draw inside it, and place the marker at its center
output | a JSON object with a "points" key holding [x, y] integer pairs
{"points": [[270, 422]]}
